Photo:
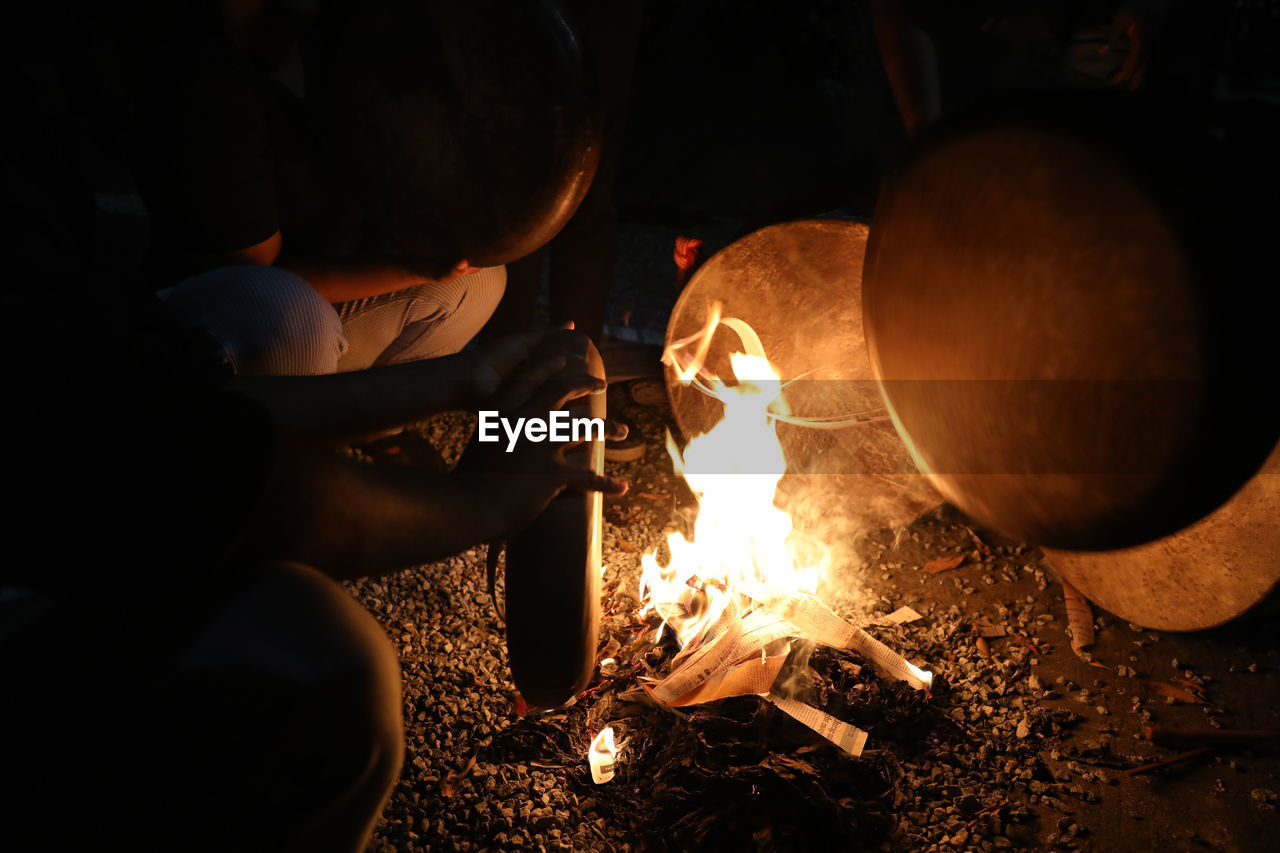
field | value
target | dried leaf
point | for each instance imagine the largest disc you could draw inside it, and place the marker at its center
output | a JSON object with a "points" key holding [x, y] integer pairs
{"points": [[609, 650], [628, 515], [901, 616], [798, 765], [943, 564], [1173, 691], [1198, 689], [1025, 643], [1171, 760], [850, 669], [450, 785], [978, 543], [1079, 618]]}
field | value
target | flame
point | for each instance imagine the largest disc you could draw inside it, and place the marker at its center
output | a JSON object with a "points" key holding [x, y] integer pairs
{"points": [[601, 756], [925, 676], [740, 539], [741, 585]]}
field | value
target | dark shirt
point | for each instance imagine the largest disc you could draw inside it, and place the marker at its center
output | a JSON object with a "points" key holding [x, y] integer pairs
{"points": [[130, 471], [226, 156]]}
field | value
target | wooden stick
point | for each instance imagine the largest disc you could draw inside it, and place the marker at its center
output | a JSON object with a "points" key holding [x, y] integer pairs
{"points": [[1171, 734], [1173, 759]]}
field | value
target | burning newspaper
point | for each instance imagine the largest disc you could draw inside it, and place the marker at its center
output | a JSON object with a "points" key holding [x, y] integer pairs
{"points": [[735, 595]]}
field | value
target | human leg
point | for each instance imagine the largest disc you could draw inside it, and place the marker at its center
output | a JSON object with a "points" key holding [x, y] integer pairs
{"points": [[264, 717], [426, 321], [267, 320]]}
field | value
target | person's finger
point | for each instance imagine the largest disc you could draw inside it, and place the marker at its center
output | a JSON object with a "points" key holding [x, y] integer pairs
{"points": [[564, 342], [1139, 76], [1131, 71], [1118, 32], [526, 382], [613, 431], [588, 481], [523, 341], [507, 352], [559, 390], [1124, 75]]}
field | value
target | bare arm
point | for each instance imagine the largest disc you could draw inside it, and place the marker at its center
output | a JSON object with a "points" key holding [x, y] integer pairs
{"points": [[365, 402], [359, 278], [911, 74], [344, 281], [336, 281], [350, 519], [263, 254]]}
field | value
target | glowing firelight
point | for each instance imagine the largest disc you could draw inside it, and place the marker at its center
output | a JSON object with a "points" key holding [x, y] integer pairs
{"points": [[602, 755], [740, 586], [740, 539]]}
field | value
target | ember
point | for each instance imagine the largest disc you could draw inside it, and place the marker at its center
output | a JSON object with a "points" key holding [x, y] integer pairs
{"points": [[601, 756]]}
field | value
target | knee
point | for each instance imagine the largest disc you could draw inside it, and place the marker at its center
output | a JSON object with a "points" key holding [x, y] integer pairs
{"points": [[442, 317], [355, 676], [484, 289], [267, 320], [299, 625], [295, 626], [488, 285], [278, 727], [338, 644]]}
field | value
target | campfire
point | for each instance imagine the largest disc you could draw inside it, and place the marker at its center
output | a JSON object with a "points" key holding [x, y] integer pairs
{"points": [[976, 754], [741, 595]]}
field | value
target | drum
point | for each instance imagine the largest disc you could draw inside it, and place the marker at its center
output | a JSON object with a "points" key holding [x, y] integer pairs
{"points": [[799, 286], [1068, 303]]}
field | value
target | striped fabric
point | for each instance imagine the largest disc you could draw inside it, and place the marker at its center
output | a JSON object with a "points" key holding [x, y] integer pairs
{"points": [[269, 321], [426, 321]]}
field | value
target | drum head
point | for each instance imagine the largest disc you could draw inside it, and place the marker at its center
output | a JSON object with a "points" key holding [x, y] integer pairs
{"points": [[464, 129], [1197, 578], [799, 286], [1063, 304]]}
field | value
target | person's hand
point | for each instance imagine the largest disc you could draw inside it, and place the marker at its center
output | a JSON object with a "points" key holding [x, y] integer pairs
{"points": [[491, 363], [1129, 32], [518, 484]]}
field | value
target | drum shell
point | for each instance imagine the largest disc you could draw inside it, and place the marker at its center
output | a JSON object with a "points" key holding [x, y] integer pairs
{"points": [[1066, 303], [553, 582]]}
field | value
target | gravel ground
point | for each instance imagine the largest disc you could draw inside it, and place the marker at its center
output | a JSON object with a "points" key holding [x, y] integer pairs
{"points": [[1021, 744]]}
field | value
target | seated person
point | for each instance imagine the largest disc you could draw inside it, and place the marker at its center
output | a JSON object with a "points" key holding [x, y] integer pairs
{"points": [[181, 669], [434, 143]]}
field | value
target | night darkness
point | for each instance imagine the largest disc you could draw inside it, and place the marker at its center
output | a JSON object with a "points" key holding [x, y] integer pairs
{"points": [[265, 260]]}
